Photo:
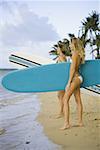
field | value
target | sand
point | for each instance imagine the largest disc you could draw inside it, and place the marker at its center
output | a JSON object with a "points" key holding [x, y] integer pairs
{"points": [[75, 138]]}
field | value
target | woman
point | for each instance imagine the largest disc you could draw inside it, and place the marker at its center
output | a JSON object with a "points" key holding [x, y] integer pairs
{"points": [[75, 79], [61, 58]]}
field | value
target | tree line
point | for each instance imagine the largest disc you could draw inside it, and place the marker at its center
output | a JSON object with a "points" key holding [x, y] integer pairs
{"points": [[89, 33]]}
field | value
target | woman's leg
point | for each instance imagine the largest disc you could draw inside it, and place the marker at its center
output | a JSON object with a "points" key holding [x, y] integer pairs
{"points": [[79, 105], [75, 83], [60, 97]]}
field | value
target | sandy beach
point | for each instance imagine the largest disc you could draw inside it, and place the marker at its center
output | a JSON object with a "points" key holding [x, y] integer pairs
{"points": [[75, 138]]}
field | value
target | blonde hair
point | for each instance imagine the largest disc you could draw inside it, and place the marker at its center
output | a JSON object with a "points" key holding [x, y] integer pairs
{"points": [[77, 45]]}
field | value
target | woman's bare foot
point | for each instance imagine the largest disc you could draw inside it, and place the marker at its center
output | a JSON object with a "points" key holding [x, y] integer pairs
{"points": [[66, 126]]}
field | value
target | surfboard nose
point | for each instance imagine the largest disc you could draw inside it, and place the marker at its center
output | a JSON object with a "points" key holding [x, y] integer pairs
{"points": [[6, 82]]}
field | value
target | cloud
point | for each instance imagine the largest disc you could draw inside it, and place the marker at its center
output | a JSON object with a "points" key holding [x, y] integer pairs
{"points": [[20, 25]]}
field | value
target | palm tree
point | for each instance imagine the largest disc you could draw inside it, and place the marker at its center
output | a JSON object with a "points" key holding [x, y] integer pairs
{"points": [[90, 32], [64, 45], [96, 42], [91, 23]]}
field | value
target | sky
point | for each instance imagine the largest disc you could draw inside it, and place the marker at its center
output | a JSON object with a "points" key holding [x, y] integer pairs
{"points": [[33, 27]]}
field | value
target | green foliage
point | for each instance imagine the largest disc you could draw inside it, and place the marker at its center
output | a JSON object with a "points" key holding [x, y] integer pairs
{"points": [[64, 46], [89, 34]]}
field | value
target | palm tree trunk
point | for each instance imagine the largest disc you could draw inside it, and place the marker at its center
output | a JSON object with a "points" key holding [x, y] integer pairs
{"points": [[98, 54]]}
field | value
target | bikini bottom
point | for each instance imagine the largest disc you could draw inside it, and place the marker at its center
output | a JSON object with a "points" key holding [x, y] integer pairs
{"points": [[81, 78]]}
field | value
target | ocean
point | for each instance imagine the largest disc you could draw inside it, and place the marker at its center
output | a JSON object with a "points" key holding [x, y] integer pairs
{"points": [[18, 113]]}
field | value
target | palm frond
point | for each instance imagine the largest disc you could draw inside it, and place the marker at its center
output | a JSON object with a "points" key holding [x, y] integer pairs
{"points": [[93, 50], [71, 35]]}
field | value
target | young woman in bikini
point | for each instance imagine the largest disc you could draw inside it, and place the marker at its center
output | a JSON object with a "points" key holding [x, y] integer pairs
{"points": [[61, 58], [74, 82]]}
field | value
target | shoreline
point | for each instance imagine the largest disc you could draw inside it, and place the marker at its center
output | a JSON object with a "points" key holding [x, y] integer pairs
{"points": [[19, 128], [75, 138]]}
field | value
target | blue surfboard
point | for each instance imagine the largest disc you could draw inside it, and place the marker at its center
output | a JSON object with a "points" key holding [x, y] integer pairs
{"points": [[52, 77]]}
